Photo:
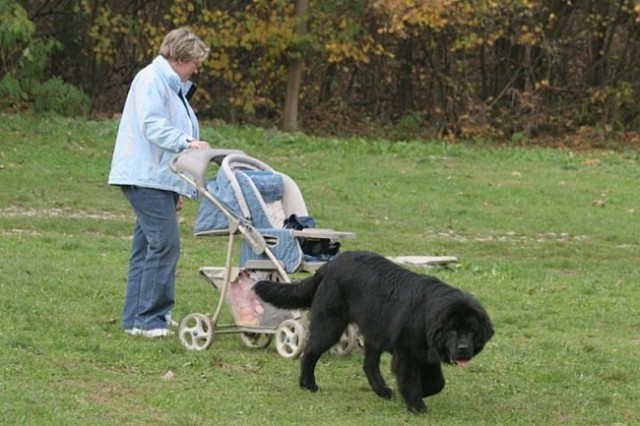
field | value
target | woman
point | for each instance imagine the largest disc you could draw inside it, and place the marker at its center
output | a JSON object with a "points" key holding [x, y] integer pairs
{"points": [[157, 122]]}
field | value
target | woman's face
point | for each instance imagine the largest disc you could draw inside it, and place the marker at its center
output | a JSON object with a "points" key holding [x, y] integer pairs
{"points": [[185, 69]]}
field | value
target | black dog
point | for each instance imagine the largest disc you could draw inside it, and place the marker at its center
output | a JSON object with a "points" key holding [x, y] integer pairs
{"points": [[422, 321]]}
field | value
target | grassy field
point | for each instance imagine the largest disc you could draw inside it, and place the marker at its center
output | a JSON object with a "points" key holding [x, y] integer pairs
{"points": [[547, 239]]}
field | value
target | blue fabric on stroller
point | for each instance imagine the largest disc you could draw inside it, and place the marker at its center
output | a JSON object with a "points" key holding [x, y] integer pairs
{"points": [[256, 188], [282, 243], [254, 184]]}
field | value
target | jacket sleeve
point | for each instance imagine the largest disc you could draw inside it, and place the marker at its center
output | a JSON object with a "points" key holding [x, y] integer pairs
{"points": [[157, 114]]}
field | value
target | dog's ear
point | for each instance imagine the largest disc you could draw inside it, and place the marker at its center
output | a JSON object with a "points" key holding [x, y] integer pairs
{"points": [[435, 336], [484, 333], [434, 342]]}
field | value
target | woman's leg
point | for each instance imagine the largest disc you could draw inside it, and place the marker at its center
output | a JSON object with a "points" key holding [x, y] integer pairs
{"points": [[152, 280]]}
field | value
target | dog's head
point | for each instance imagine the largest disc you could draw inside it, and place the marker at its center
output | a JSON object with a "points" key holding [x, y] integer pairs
{"points": [[458, 331]]}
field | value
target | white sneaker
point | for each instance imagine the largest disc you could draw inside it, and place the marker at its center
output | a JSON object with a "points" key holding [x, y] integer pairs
{"points": [[157, 332], [171, 322], [133, 331]]}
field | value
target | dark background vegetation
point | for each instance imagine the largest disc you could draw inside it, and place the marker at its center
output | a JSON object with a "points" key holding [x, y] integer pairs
{"points": [[514, 70]]}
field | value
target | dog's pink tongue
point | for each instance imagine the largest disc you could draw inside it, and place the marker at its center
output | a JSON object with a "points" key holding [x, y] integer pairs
{"points": [[462, 363]]}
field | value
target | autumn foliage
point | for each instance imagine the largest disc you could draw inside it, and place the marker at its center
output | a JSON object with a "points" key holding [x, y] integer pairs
{"points": [[419, 68]]}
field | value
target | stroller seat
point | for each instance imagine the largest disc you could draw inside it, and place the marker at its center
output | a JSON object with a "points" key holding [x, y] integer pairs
{"points": [[248, 191]]}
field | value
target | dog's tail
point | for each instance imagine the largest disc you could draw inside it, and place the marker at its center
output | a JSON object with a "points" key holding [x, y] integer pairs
{"points": [[297, 295]]}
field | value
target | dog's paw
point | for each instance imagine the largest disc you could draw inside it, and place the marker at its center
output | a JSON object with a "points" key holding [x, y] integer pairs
{"points": [[384, 392], [417, 407], [310, 386]]}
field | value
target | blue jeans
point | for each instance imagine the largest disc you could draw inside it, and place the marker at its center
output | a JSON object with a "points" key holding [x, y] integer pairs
{"points": [[155, 251]]}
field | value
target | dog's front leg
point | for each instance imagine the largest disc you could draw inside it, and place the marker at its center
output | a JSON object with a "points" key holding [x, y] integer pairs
{"points": [[372, 370], [431, 378], [407, 371]]}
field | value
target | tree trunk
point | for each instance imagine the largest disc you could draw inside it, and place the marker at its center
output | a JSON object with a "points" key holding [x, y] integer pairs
{"points": [[296, 66], [405, 76]]}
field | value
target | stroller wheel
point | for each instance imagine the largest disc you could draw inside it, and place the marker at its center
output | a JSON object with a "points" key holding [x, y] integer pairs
{"points": [[291, 338], [196, 332], [348, 341], [256, 340]]}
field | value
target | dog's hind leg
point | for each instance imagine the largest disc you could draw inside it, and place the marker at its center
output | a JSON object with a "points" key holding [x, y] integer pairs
{"points": [[324, 332], [408, 377], [372, 370], [307, 371]]}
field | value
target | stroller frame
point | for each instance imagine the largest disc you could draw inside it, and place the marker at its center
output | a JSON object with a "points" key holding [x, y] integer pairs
{"points": [[197, 331]]}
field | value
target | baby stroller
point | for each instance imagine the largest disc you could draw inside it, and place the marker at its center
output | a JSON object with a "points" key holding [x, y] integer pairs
{"points": [[249, 199]]}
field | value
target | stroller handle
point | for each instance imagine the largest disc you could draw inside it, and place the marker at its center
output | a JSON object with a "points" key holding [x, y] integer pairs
{"points": [[195, 162]]}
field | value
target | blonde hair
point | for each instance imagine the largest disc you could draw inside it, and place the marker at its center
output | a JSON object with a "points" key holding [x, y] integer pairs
{"points": [[182, 44]]}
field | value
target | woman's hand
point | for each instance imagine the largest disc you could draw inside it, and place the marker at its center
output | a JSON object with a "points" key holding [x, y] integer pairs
{"points": [[199, 145]]}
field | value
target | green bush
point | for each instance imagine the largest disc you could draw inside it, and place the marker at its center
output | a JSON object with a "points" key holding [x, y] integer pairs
{"points": [[62, 98], [11, 93], [24, 58], [408, 127]]}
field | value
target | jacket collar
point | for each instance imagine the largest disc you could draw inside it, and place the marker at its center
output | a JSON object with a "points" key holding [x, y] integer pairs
{"points": [[171, 77]]}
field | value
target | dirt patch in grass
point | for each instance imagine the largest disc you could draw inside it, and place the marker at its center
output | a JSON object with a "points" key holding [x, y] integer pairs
{"points": [[55, 212]]}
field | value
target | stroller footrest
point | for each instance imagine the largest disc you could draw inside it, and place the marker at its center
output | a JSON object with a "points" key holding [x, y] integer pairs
{"points": [[321, 233], [311, 266], [259, 265]]}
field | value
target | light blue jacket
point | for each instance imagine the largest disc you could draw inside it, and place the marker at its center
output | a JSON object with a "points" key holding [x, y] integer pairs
{"points": [[155, 125]]}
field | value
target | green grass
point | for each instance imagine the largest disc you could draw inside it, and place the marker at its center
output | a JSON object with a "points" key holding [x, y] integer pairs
{"points": [[546, 239]]}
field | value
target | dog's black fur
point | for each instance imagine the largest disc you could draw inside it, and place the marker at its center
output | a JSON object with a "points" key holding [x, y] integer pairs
{"points": [[422, 321]]}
